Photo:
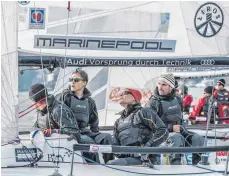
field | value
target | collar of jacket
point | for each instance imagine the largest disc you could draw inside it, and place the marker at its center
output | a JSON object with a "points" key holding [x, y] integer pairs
{"points": [[130, 108], [86, 93], [164, 97]]}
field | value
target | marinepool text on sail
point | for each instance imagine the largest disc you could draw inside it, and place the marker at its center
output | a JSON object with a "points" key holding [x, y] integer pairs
{"points": [[102, 43]]}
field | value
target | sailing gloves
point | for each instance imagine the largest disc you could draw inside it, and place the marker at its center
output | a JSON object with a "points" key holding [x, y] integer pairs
{"points": [[75, 136], [49, 132]]}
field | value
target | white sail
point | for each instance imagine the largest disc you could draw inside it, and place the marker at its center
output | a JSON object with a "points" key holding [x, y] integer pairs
{"points": [[154, 20], [9, 71], [148, 20]]}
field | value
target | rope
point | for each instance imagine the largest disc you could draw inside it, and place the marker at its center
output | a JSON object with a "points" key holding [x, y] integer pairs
{"points": [[61, 116]]}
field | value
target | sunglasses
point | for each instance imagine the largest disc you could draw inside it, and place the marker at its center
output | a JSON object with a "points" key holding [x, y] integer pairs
{"points": [[125, 93], [75, 80]]}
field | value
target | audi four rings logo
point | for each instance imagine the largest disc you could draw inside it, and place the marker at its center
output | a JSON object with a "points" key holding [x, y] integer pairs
{"points": [[207, 62]]}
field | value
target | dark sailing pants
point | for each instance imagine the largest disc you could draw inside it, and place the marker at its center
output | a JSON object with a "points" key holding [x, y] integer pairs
{"points": [[125, 161], [175, 140], [102, 139], [195, 140], [92, 156]]}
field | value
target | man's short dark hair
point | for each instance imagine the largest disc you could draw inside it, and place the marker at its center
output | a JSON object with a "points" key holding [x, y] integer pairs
{"points": [[82, 74]]}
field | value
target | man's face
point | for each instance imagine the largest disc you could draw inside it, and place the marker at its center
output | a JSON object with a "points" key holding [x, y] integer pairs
{"points": [[207, 94], [219, 86], [163, 88], [77, 83], [126, 98], [40, 105]]}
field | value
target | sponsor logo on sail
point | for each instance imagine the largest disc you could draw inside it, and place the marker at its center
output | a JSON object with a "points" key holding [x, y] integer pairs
{"points": [[207, 62], [36, 18], [102, 43], [209, 19]]}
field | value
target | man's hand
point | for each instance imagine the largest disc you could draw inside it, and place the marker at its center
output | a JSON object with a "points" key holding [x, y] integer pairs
{"points": [[75, 136], [49, 132], [176, 128], [144, 157]]}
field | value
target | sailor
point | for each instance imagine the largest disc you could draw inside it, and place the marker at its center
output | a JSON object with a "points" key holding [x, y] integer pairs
{"points": [[200, 111], [222, 96], [176, 87], [137, 126], [187, 98], [169, 108], [53, 116], [78, 98]]}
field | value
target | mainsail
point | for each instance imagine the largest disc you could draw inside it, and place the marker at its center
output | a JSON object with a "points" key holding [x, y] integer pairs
{"points": [[139, 20], [9, 71]]}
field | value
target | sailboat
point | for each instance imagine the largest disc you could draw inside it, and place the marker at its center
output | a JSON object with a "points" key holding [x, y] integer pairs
{"points": [[144, 22]]}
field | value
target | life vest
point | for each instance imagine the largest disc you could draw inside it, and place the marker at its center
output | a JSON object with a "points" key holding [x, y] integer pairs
{"points": [[130, 132], [171, 112], [203, 114], [221, 95], [80, 110]]}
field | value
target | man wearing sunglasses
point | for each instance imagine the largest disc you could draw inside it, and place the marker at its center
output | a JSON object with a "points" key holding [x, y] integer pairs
{"points": [[137, 126], [169, 107], [78, 98], [52, 114], [222, 96]]}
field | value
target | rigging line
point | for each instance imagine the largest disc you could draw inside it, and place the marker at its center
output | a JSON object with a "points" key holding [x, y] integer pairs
{"points": [[6, 44], [216, 157], [43, 75], [13, 114], [31, 106], [40, 91], [10, 124], [30, 97], [99, 14], [10, 120], [7, 81], [7, 53], [186, 28], [6, 129], [7, 104], [130, 77], [58, 79], [11, 134], [78, 14], [65, 53], [143, 75]]}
